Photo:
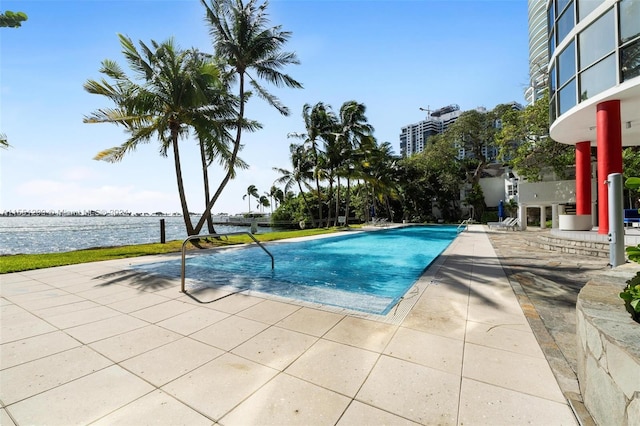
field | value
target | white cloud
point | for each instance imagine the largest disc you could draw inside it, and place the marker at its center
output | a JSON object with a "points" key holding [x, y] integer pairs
{"points": [[74, 195]]}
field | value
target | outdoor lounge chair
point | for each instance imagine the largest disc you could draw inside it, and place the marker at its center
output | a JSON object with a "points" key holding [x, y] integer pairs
{"points": [[515, 225], [505, 224]]}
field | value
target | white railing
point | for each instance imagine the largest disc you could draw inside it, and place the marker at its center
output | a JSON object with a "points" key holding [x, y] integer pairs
{"points": [[463, 225]]}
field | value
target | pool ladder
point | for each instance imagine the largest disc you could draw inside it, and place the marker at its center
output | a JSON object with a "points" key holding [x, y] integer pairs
{"points": [[463, 225], [193, 237]]}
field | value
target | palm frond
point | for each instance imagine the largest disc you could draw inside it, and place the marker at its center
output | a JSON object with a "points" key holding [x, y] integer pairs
{"points": [[4, 142], [111, 155], [271, 99]]}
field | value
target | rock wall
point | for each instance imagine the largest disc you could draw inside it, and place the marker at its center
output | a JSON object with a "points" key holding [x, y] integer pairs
{"points": [[608, 351]]}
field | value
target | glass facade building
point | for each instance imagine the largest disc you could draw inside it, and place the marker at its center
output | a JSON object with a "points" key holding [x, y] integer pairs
{"points": [[594, 88], [594, 45]]}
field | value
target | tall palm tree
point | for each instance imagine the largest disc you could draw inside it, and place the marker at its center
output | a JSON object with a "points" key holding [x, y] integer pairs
{"points": [[319, 122], [209, 135], [381, 175], [172, 97], [354, 137], [274, 194], [301, 175], [252, 191], [263, 202], [279, 197], [244, 40]]}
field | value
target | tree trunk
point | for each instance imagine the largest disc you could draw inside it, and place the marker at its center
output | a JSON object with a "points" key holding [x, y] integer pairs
{"points": [[232, 160], [319, 195], [205, 176], [347, 200], [337, 202], [183, 198], [306, 203], [330, 196]]}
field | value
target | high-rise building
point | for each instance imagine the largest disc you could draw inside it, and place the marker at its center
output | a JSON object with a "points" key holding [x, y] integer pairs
{"points": [[538, 50], [594, 88], [414, 137]]}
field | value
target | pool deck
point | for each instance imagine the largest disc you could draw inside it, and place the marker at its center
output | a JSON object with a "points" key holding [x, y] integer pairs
{"points": [[101, 344]]}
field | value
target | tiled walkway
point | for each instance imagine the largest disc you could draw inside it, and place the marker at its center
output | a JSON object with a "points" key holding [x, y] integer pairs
{"points": [[100, 344]]}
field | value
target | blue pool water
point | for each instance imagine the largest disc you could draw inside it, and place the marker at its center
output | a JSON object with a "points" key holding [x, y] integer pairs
{"points": [[368, 271]]}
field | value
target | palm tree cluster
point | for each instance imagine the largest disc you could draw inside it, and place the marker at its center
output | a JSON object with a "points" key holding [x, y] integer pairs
{"points": [[334, 152], [265, 200], [174, 93]]}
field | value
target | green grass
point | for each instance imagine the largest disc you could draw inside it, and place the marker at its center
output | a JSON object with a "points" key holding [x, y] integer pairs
{"points": [[26, 262]]}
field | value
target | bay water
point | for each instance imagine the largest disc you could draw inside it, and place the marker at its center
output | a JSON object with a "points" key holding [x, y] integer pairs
{"points": [[52, 234]]}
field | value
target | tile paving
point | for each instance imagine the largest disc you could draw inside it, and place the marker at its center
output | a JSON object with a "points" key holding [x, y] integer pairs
{"points": [[101, 344]]}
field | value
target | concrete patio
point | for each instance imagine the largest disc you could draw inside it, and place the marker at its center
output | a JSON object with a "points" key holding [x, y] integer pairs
{"points": [[102, 344]]}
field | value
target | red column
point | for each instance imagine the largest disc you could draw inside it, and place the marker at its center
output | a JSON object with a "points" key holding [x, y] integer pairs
{"points": [[609, 141], [583, 177]]}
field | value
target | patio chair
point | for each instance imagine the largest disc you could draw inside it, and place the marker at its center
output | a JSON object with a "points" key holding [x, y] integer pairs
{"points": [[515, 225], [504, 224]]}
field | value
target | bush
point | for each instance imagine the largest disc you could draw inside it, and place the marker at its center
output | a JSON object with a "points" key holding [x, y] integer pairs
{"points": [[489, 216], [631, 297]]}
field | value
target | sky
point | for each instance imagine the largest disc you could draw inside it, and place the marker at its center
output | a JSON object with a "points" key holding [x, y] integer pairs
{"points": [[394, 56]]}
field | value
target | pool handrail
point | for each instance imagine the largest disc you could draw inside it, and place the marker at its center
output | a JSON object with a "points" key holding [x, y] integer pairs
{"points": [[193, 237], [464, 225]]}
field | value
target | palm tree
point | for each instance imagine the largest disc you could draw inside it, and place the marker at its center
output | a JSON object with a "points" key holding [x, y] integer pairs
{"points": [[302, 173], [4, 142], [252, 191], [243, 39], [172, 97], [279, 196], [210, 137], [263, 202], [354, 136], [319, 122], [276, 194], [381, 175]]}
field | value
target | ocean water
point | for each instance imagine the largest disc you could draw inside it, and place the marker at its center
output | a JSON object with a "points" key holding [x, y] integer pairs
{"points": [[52, 234], [368, 271]]}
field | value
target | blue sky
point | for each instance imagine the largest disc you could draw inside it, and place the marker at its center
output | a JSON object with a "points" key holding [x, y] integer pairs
{"points": [[393, 56]]}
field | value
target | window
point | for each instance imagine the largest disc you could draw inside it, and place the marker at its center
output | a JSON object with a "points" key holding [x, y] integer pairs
{"points": [[597, 40], [562, 4], [629, 20], [551, 24], [598, 78], [630, 61], [585, 7], [552, 109], [567, 64], [565, 24], [567, 97]]}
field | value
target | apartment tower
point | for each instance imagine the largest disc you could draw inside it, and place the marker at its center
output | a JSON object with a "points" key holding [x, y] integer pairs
{"points": [[594, 88]]}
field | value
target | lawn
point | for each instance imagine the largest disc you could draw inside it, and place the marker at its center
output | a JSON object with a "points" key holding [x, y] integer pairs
{"points": [[26, 262]]}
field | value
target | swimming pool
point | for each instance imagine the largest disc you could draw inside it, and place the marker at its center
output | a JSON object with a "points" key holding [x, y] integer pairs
{"points": [[363, 271]]}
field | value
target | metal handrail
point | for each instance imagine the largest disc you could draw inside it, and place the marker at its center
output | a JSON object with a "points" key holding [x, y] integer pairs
{"points": [[193, 237], [464, 224]]}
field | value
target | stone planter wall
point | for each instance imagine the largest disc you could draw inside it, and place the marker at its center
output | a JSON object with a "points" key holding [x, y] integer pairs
{"points": [[608, 350]]}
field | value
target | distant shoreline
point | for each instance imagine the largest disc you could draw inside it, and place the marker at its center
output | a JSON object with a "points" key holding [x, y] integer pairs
{"points": [[80, 213], [223, 217]]}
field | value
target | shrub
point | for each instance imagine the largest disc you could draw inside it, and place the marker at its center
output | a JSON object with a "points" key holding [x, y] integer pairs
{"points": [[489, 216], [631, 297]]}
